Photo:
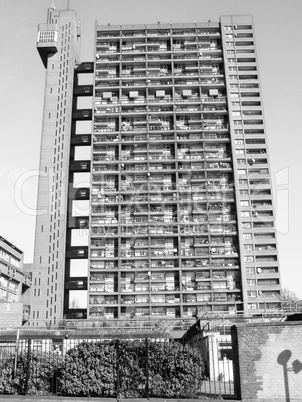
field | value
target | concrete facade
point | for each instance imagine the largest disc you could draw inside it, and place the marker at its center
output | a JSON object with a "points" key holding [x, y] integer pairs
{"points": [[58, 44], [14, 282], [157, 197]]}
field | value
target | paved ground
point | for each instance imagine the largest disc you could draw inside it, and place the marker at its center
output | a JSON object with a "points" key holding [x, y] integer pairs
{"points": [[208, 387], [20, 398], [217, 388]]}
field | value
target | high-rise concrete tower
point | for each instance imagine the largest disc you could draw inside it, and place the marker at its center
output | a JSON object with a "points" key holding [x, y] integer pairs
{"points": [[155, 200], [58, 44]]}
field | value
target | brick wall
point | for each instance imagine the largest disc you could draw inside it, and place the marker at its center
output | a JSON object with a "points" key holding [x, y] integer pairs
{"points": [[268, 361]]}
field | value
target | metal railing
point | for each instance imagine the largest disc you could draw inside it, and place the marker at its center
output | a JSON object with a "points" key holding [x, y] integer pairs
{"points": [[87, 365]]}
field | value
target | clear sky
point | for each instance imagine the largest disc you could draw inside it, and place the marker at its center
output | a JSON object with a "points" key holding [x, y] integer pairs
{"points": [[278, 31]]}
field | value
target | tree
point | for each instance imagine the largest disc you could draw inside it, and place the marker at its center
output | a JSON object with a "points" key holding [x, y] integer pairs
{"points": [[288, 299], [74, 303]]}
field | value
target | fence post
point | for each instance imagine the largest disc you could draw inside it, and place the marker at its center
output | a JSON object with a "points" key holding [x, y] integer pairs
{"points": [[16, 351], [147, 369], [28, 366], [117, 347], [236, 363]]}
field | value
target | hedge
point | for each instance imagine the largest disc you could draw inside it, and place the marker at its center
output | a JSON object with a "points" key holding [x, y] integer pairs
{"points": [[43, 369], [174, 371], [110, 369]]}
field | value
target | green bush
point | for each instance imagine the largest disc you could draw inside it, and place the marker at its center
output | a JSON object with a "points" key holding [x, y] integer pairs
{"points": [[170, 370], [91, 369], [176, 371], [132, 369], [43, 369]]}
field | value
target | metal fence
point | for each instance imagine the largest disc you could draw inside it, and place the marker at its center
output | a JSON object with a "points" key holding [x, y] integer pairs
{"points": [[217, 353], [133, 368]]}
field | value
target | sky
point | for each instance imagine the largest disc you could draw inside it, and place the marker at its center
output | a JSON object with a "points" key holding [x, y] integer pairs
{"points": [[278, 32]]}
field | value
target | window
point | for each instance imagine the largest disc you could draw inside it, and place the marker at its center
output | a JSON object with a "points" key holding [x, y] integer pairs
{"points": [[246, 60], [244, 50], [247, 68], [14, 261], [248, 247], [242, 182], [247, 236], [235, 104], [250, 270], [234, 95], [246, 225], [268, 282], [47, 36], [252, 306], [249, 258], [244, 203], [241, 171], [240, 152], [245, 43], [4, 255], [241, 27], [245, 214], [270, 306], [252, 294], [243, 192], [236, 113]]}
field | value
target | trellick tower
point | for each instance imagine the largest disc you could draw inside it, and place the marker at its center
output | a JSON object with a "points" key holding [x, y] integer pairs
{"points": [[157, 197]]}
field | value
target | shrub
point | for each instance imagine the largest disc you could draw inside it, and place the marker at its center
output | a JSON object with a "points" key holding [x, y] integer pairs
{"points": [[89, 369], [42, 380], [176, 371], [132, 369], [93, 369], [169, 370]]}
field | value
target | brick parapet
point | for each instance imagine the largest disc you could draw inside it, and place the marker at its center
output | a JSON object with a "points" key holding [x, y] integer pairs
{"points": [[260, 369]]}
